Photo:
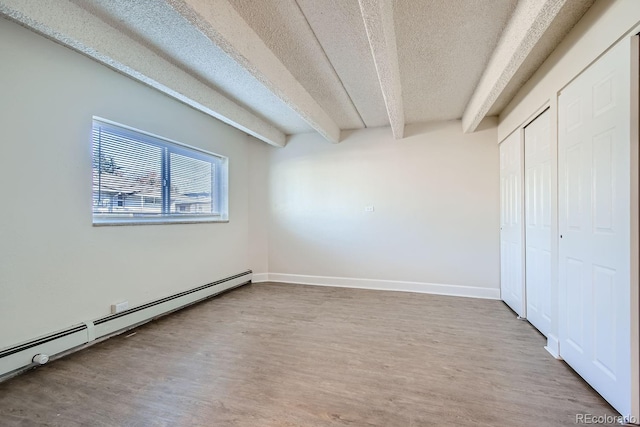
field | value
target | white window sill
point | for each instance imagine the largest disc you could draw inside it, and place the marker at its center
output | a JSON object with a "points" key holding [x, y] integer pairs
{"points": [[107, 221]]}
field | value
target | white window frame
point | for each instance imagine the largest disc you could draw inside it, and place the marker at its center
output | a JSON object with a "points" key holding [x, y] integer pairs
{"points": [[219, 185]]}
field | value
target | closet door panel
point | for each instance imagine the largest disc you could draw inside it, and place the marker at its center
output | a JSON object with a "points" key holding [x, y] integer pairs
{"points": [[537, 161], [594, 221], [511, 224]]}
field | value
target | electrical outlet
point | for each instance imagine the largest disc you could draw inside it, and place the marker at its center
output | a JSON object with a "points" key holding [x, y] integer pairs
{"points": [[369, 209], [119, 307]]}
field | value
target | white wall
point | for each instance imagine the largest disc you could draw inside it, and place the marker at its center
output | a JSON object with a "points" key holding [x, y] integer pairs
{"points": [[435, 195], [259, 207], [56, 269]]}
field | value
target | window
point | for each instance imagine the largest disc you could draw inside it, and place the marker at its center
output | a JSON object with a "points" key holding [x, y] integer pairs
{"points": [[142, 178]]}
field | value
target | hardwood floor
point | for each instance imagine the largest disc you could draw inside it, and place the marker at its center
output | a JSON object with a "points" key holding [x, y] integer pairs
{"points": [[287, 355]]}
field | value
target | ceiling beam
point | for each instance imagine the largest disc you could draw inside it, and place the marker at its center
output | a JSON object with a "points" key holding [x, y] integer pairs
{"points": [[529, 21], [219, 21], [378, 21], [76, 28]]}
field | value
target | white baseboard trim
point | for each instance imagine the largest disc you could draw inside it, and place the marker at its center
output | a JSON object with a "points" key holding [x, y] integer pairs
{"points": [[553, 346], [260, 277], [386, 285]]}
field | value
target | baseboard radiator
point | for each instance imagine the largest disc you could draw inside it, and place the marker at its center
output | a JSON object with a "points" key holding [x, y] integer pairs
{"points": [[16, 358]]}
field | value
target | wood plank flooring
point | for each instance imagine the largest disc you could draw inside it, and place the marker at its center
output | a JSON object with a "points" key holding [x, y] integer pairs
{"points": [[288, 355]]}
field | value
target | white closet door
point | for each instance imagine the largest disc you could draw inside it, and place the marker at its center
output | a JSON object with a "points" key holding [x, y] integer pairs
{"points": [[511, 224], [594, 219], [537, 213]]}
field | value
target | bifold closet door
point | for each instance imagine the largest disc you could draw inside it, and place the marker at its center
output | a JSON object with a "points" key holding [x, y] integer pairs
{"points": [[537, 214], [511, 224], [594, 221]]}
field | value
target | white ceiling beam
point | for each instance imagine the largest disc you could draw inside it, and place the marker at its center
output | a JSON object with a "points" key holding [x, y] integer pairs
{"points": [[74, 27], [219, 21], [378, 21], [529, 21]]}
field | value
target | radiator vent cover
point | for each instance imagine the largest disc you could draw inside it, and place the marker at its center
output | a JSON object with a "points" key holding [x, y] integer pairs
{"points": [[20, 356]]}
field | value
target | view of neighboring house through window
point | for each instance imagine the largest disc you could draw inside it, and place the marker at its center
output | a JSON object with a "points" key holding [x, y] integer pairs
{"points": [[142, 178]]}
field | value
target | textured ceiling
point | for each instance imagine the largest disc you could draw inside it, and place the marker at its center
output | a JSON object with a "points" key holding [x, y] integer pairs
{"points": [[161, 28], [443, 48], [340, 30], [285, 30], [571, 12], [278, 67]]}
